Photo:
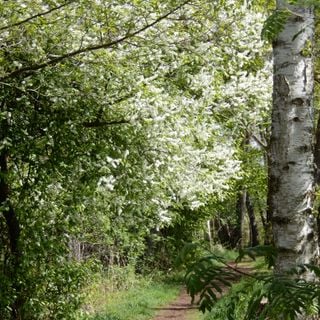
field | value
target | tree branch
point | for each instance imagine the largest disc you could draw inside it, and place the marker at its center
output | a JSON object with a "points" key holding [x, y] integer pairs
{"points": [[36, 16], [30, 69], [98, 123], [260, 143]]}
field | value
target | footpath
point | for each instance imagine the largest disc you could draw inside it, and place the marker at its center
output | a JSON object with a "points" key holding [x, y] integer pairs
{"points": [[180, 309]]}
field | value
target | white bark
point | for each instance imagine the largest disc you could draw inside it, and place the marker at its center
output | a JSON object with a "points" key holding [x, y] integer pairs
{"points": [[291, 171], [209, 232]]}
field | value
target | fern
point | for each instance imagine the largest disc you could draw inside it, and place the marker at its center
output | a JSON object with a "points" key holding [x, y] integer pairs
{"points": [[285, 297], [207, 279], [261, 295]]}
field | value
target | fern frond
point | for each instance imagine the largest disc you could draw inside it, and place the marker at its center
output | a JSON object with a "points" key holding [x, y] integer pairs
{"points": [[206, 280]]}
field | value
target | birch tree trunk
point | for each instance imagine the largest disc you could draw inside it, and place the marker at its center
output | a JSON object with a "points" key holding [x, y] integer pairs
{"points": [[291, 167]]}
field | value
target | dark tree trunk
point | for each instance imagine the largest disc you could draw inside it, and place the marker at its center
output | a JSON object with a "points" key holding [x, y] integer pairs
{"points": [[254, 234], [240, 211], [266, 229], [13, 233], [12, 225], [223, 233]]}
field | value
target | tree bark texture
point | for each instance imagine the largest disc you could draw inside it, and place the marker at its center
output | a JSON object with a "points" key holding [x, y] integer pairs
{"points": [[317, 172], [291, 166]]}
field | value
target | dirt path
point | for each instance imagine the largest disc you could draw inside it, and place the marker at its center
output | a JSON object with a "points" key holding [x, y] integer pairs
{"points": [[180, 309]]}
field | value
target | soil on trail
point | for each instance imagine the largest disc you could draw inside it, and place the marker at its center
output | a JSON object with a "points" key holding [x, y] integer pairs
{"points": [[180, 309]]}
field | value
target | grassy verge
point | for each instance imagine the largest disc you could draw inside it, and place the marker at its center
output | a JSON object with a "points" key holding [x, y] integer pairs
{"points": [[136, 303]]}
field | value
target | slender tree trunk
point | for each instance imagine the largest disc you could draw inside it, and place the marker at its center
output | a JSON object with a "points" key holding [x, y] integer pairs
{"points": [[240, 212], [209, 233], [12, 223], [291, 167], [224, 234], [254, 233], [266, 230]]}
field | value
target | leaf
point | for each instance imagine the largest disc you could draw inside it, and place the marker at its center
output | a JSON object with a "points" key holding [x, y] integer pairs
{"points": [[267, 251], [275, 24]]}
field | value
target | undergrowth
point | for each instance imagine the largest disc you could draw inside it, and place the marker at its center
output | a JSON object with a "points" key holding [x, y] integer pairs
{"points": [[260, 295], [237, 300], [121, 295]]}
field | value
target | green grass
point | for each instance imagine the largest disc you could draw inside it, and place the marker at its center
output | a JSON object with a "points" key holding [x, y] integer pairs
{"points": [[195, 315], [226, 254], [136, 303]]}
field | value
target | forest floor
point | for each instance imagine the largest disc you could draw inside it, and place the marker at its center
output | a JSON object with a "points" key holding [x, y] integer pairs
{"points": [[182, 309]]}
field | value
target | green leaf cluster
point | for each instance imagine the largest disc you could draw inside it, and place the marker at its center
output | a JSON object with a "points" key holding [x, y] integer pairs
{"points": [[260, 295], [274, 24]]}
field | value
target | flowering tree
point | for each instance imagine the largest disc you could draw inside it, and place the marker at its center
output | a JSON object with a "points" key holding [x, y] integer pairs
{"points": [[112, 114]]}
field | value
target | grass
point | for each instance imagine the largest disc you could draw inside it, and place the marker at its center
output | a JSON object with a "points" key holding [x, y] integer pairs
{"points": [[226, 254], [136, 303], [195, 315]]}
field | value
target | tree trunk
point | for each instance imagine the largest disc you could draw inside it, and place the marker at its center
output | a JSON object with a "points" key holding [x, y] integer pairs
{"points": [[209, 233], [291, 168], [317, 172], [254, 234], [12, 224], [240, 212], [13, 229]]}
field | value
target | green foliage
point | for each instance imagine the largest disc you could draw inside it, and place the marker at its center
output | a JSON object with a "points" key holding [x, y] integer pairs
{"points": [[261, 295], [137, 303], [121, 278], [51, 291], [188, 254], [207, 279], [274, 24], [234, 304], [286, 297], [304, 3], [267, 251]]}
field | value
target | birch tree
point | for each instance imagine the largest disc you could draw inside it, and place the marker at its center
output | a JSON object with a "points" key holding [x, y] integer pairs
{"points": [[291, 166]]}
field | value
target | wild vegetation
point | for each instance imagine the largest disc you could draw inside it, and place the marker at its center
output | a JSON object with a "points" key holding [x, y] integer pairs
{"points": [[129, 129]]}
